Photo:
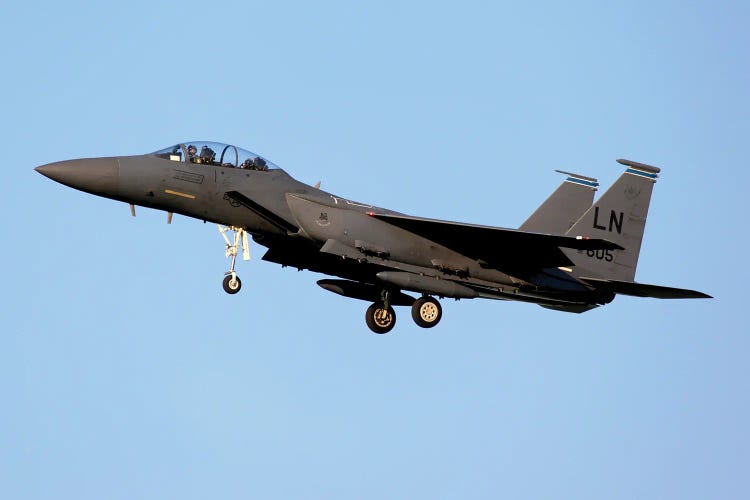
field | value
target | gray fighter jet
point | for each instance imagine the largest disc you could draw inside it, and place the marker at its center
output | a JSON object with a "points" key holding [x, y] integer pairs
{"points": [[569, 255]]}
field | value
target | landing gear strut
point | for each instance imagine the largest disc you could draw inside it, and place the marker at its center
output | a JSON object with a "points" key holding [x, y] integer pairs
{"points": [[426, 312], [232, 282], [380, 316]]}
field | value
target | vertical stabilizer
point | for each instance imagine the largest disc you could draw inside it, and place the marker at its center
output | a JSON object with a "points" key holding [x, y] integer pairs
{"points": [[564, 206], [620, 217]]}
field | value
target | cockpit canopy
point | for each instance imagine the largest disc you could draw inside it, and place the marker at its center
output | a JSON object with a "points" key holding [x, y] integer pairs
{"points": [[215, 153]]}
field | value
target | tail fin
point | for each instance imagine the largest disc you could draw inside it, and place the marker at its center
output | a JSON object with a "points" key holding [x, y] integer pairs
{"points": [[564, 207], [620, 217]]}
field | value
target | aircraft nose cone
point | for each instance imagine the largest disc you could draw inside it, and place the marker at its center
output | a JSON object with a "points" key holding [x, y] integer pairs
{"points": [[93, 175]]}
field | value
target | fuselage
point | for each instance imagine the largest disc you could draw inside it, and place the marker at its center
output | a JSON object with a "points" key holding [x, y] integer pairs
{"points": [[586, 255], [306, 227]]}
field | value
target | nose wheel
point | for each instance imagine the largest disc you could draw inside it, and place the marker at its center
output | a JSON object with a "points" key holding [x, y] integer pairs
{"points": [[232, 282]]}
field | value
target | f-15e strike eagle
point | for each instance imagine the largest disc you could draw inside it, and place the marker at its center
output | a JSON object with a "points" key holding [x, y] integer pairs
{"points": [[570, 255]]}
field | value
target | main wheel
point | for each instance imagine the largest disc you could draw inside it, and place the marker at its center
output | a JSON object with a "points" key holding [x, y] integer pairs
{"points": [[231, 284], [426, 312], [379, 319]]}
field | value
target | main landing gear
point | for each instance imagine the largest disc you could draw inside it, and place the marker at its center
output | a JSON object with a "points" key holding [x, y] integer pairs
{"points": [[232, 282], [426, 312], [381, 318]]}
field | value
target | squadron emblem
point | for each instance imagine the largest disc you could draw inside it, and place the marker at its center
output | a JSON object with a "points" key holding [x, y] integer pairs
{"points": [[323, 221], [632, 193]]}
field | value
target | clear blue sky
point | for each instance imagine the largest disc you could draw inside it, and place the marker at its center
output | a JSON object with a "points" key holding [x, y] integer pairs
{"points": [[126, 372]]}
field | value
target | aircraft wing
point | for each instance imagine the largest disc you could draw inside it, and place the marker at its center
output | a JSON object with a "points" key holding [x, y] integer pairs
{"points": [[504, 249], [644, 290]]}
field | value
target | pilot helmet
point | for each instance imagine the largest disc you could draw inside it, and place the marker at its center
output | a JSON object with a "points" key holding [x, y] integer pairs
{"points": [[207, 153], [192, 149], [260, 162]]}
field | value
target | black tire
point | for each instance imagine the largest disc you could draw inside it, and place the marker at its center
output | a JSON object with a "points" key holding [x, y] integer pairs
{"points": [[379, 319], [426, 312], [231, 286]]}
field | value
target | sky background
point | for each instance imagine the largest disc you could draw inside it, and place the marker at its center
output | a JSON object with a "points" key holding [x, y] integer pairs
{"points": [[126, 372]]}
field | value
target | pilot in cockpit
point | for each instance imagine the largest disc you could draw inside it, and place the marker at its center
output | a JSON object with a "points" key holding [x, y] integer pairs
{"points": [[255, 164], [260, 164], [207, 155], [191, 150]]}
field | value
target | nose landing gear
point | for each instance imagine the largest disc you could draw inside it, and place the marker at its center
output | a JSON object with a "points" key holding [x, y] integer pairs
{"points": [[232, 282]]}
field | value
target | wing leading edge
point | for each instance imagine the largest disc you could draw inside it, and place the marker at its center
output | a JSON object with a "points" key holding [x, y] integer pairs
{"points": [[498, 248]]}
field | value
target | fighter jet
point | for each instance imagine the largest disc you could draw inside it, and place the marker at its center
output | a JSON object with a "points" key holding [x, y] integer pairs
{"points": [[571, 254]]}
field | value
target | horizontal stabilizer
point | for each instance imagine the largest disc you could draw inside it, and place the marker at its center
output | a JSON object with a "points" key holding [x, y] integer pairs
{"points": [[643, 290]]}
